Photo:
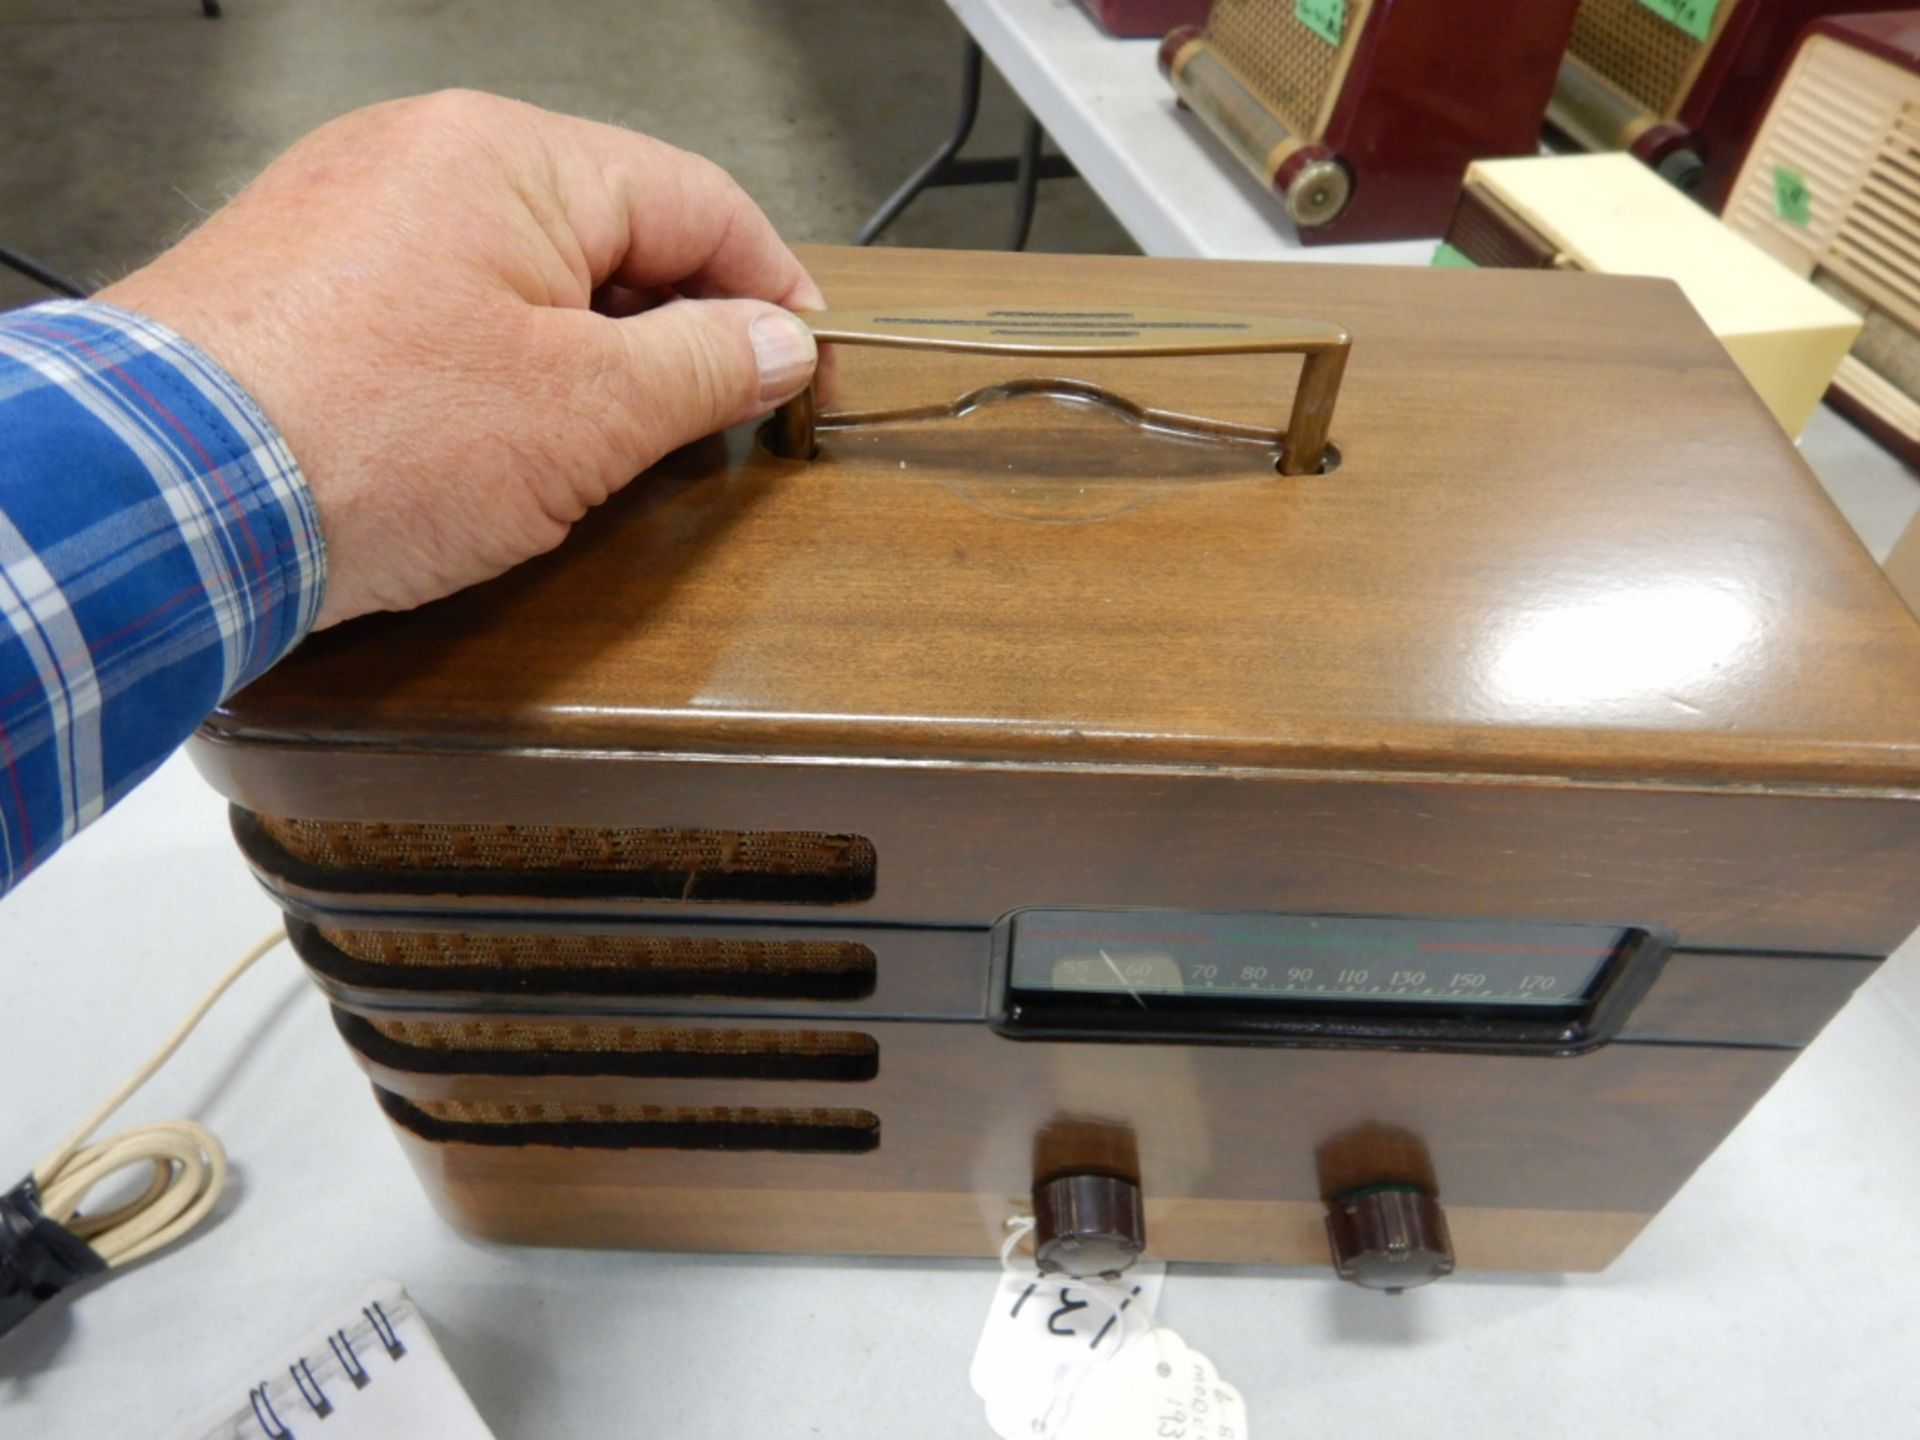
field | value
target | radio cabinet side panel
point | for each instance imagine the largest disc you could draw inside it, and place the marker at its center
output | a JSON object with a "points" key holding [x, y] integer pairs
{"points": [[1804, 872], [1435, 90]]}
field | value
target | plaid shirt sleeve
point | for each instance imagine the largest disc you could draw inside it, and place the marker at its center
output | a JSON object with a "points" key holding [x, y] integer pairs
{"points": [[158, 549]]}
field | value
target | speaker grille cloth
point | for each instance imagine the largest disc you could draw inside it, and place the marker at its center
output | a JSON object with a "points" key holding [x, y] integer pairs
{"points": [[839, 866], [1282, 61], [555, 1112], [1647, 57], [437, 949], [621, 1039]]}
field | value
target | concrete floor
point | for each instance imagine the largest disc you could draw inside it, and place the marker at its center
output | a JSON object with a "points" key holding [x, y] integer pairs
{"points": [[125, 120]]}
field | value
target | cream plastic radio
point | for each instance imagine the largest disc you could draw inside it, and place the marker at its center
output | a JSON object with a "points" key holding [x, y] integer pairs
{"points": [[1830, 186]]}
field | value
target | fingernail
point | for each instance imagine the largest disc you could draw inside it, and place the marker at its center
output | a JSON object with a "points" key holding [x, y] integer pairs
{"points": [[784, 352]]}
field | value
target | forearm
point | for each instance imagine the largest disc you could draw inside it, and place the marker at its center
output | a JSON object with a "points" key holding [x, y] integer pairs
{"points": [[158, 548]]}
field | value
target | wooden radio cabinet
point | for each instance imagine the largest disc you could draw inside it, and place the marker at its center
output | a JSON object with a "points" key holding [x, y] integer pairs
{"points": [[1039, 797]]}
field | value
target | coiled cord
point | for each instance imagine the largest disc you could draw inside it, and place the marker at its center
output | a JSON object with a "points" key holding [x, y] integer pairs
{"points": [[189, 1164]]}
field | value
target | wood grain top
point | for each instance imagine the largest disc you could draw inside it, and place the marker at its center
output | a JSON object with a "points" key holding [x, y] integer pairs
{"points": [[1563, 538]]}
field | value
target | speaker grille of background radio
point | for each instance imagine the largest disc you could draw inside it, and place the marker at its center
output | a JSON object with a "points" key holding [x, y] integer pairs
{"points": [[1283, 62], [1650, 58]]}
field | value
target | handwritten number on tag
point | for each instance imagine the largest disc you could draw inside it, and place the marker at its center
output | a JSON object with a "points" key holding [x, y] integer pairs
{"points": [[1067, 1306], [1111, 1318]]}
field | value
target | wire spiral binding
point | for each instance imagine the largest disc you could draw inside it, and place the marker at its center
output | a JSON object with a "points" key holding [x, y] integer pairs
{"points": [[307, 1385]]}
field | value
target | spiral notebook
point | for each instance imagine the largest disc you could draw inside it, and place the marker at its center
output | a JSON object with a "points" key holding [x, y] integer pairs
{"points": [[377, 1375]]}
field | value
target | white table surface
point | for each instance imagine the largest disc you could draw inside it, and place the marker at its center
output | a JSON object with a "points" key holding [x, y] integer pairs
{"points": [[1773, 1297]]}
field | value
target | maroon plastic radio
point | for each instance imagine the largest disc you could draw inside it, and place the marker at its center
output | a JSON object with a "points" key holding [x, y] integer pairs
{"points": [[1362, 116]]}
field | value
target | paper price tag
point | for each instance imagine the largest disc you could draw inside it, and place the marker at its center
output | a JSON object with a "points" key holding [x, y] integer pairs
{"points": [[1325, 18], [1693, 16], [1792, 200], [1157, 1388], [1043, 1337]]}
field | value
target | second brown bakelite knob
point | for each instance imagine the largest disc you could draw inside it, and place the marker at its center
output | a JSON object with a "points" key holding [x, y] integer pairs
{"points": [[1087, 1225], [1389, 1237]]}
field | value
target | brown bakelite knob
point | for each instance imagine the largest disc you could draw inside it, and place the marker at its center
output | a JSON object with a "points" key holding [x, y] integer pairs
{"points": [[1389, 1237], [1087, 1225]]}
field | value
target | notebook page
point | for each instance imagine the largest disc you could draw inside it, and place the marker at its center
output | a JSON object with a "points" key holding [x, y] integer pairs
{"points": [[375, 1375]]}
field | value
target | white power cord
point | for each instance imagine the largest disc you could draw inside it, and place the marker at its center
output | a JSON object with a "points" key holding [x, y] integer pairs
{"points": [[189, 1164]]}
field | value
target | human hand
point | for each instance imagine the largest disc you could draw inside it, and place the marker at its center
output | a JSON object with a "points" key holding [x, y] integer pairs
{"points": [[473, 320]]}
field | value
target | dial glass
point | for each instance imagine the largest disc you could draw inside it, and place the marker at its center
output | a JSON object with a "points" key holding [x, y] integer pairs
{"points": [[1329, 959]]}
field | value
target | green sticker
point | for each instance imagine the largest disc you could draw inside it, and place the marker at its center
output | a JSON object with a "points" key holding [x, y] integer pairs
{"points": [[1693, 16], [1327, 18], [1449, 258], [1792, 201]]}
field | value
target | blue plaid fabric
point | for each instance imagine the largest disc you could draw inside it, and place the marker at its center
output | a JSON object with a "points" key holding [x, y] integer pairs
{"points": [[158, 549]]}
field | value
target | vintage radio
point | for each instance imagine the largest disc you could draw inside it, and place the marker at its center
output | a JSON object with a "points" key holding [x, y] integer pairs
{"points": [[1611, 215], [1140, 18], [1828, 188], [1430, 825], [1361, 116], [1680, 83]]}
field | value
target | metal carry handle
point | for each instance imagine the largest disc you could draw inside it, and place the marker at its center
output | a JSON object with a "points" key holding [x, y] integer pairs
{"points": [[1092, 333]]}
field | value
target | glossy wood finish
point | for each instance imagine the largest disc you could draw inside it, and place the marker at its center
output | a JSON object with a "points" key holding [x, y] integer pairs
{"points": [[1569, 633], [1619, 1129], [599, 1200], [1563, 541]]}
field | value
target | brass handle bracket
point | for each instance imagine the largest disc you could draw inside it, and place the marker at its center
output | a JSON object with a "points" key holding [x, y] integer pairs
{"points": [[1093, 334]]}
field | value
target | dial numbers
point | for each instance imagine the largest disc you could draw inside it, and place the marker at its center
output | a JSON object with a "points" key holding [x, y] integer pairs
{"points": [[1313, 958]]}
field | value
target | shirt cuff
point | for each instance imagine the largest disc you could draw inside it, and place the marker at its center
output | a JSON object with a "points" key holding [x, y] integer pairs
{"points": [[220, 483]]}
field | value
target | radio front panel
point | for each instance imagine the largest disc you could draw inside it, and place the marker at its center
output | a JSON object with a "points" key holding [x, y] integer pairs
{"points": [[1239, 1067], [958, 1109]]}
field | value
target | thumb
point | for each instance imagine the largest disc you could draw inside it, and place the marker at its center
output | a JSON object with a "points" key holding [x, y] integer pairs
{"points": [[696, 366]]}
